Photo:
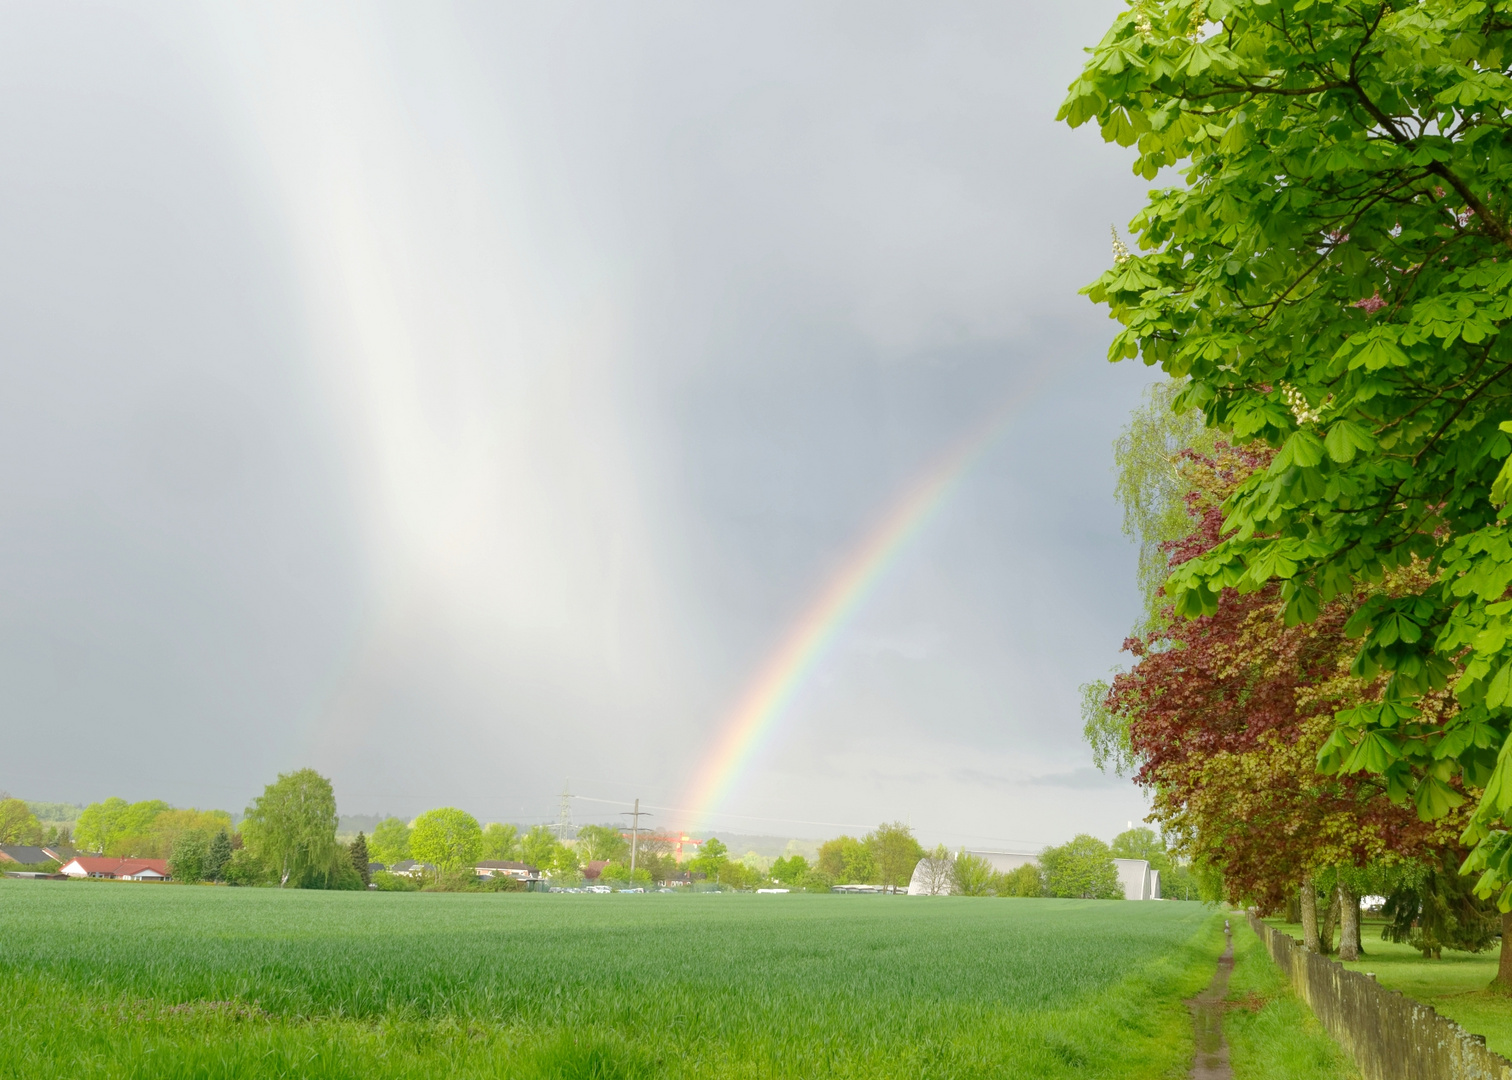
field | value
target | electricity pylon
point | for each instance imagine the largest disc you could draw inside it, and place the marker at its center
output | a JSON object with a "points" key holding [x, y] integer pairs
{"points": [[564, 824], [635, 816]]}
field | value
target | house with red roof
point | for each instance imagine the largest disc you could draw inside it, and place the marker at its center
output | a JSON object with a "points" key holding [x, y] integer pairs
{"points": [[100, 866]]}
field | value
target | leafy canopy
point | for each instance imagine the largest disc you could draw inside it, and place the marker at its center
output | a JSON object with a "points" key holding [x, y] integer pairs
{"points": [[1153, 487], [793, 871], [601, 842], [712, 858], [895, 853], [541, 849], [390, 841], [973, 874], [1027, 880], [1141, 843], [848, 861], [217, 855], [116, 827], [18, 825], [447, 838], [1334, 279], [1224, 716], [188, 856], [168, 825], [291, 828], [1081, 868], [501, 842]]}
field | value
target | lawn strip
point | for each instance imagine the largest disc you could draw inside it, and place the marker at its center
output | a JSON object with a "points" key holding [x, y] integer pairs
{"points": [[1272, 1034], [1455, 986]]}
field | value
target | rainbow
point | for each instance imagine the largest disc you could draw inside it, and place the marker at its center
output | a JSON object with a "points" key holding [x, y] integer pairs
{"points": [[769, 695]]}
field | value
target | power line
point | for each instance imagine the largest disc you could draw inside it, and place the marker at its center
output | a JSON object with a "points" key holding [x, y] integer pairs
{"points": [[804, 821]]}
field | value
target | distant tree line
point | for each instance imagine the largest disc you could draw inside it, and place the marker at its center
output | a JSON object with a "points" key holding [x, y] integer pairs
{"points": [[288, 838], [1081, 868], [22, 823]]}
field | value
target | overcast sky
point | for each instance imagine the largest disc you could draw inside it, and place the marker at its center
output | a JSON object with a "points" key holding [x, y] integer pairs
{"points": [[463, 400]]}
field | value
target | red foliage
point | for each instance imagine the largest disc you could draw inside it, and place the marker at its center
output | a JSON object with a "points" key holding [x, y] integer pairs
{"points": [[1226, 714]]}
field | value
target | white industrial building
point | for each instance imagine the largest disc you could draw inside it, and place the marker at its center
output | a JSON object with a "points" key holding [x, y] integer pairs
{"points": [[1139, 879]]}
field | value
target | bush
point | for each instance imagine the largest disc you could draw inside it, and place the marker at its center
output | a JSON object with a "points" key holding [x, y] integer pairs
{"points": [[617, 876], [817, 880], [736, 875], [448, 881], [974, 876], [344, 877], [791, 872], [1024, 881], [191, 850], [466, 881], [387, 882], [245, 868]]}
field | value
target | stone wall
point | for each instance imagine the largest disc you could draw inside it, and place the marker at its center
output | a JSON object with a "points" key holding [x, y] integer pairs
{"points": [[1390, 1037]]}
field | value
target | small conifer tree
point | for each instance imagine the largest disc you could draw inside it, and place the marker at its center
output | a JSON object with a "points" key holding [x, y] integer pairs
{"points": [[360, 860], [217, 855]]}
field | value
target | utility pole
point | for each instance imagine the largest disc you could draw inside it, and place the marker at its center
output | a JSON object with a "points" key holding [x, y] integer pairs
{"points": [[635, 816], [565, 821]]}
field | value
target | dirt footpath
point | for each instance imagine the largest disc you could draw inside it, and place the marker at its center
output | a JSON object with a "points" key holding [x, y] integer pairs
{"points": [[1211, 1061]]}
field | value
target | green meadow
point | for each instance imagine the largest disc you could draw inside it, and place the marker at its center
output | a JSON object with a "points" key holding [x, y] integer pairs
{"points": [[1458, 985], [107, 979]]}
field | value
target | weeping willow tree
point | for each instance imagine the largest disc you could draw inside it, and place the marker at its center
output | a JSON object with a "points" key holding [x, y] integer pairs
{"points": [[1433, 908], [1152, 487]]}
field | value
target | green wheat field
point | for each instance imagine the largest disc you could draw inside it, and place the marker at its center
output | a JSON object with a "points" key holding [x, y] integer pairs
{"points": [[160, 981]]}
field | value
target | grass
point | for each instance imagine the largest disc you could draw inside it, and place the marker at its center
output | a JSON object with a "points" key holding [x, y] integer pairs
{"points": [[1272, 1034], [1455, 986], [162, 981]]}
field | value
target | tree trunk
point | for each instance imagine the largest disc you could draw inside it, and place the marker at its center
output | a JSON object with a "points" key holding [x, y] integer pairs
{"points": [[1503, 980], [1328, 923], [1294, 907], [1349, 923], [1309, 915]]}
